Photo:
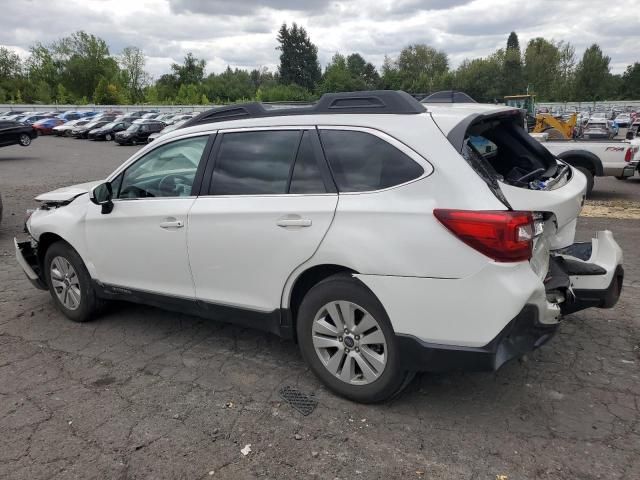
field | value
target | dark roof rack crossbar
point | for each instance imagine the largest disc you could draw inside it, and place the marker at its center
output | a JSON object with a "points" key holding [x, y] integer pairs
{"points": [[376, 101]]}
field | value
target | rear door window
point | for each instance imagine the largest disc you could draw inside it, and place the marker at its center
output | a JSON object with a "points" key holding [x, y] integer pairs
{"points": [[306, 176], [363, 162]]}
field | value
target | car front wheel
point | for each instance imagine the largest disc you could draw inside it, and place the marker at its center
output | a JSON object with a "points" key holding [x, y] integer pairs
{"points": [[108, 137], [25, 140], [346, 338], [70, 283]]}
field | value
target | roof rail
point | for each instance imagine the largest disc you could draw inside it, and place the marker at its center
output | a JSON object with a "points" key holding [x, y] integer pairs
{"points": [[375, 101], [448, 96]]}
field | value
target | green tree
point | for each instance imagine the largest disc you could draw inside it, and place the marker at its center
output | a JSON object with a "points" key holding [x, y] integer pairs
{"points": [[132, 63], [298, 58], [337, 77], [188, 94], [592, 74], [364, 71], [418, 68], [85, 60], [630, 88], [481, 78], [230, 86], [512, 72], [283, 93], [191, 72], [107, 93], [166, 87], [10, 64], [541, 65], [61, 95], [564, 87]]}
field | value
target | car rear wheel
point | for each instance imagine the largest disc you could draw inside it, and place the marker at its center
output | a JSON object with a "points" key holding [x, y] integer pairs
{"points": [[69, 283], [25, 140], [346, 338]]}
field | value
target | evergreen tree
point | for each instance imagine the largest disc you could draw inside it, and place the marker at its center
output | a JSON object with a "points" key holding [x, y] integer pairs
{"points": [[592, 75], [298, 58], [513, 77]]}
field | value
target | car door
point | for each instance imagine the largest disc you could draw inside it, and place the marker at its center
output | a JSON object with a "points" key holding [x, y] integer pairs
{"points": [[141, 243], [7, 133], [269, 203]]}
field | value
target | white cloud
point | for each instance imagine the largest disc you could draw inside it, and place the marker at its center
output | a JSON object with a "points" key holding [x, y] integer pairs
{"points": [[242, 33]]}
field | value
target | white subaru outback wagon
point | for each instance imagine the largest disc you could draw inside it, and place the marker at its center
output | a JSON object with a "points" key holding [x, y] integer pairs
{"points": [[385, 235]]}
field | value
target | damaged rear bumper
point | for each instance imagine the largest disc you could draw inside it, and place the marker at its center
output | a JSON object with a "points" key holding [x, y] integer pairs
{"points": [[521, 335], [592, 271]]}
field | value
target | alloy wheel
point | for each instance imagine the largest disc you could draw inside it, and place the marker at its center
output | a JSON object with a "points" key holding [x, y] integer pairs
{"points": [[349, 342], [66, 283], [25, 140]]}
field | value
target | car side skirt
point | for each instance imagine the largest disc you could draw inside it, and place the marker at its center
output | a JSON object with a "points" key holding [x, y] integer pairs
{"points": [[275, 321]]}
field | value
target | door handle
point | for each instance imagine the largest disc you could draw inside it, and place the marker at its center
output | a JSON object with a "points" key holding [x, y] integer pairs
{"points": [[294, 221], [171, 223]]}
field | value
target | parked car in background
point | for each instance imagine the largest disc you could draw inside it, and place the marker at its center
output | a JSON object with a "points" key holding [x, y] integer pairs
{"points": [[70, 115], [108, 131], [65, 129], [623, 120], [138, 132], [182, 116], [599, 127], [16, 133], [83, 130], [164, 117], [165, 130], [46, 126], [32, 118], [10, 113]]}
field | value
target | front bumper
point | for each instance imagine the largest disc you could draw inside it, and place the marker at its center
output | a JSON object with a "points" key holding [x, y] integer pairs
{"points": [[28, 260], [521, 335]]}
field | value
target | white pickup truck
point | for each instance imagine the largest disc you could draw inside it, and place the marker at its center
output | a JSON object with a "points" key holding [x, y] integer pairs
{"points": [[615, 158]]}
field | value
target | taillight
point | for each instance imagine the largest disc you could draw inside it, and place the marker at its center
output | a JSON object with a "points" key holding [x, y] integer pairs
{"points": [[504, 236], [629, 155]]}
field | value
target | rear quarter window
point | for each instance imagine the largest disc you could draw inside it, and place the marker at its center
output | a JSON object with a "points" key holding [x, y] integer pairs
{"points": [[362, 162]]}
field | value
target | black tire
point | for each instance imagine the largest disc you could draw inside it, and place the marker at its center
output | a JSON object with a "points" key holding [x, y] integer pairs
{"points": [[89, 302], [24, 139], [108, 137], [343, 287], [590, 179]]}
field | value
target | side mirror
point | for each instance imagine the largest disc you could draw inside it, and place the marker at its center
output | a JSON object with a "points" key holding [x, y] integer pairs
{"points": [[101, 195]]}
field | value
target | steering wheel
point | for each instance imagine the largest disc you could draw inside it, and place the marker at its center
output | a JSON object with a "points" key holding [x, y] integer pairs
{"points": [[170, 184], [134, 192]]}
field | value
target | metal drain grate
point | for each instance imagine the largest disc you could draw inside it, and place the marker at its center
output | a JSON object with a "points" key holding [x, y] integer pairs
{"points": [[302, 402]]}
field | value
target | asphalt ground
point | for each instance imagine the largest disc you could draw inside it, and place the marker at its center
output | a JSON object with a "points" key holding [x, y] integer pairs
{"points": [[144, 393]]}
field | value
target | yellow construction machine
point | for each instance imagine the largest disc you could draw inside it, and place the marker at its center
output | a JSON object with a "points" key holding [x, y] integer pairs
{"points": [[544, 122]]}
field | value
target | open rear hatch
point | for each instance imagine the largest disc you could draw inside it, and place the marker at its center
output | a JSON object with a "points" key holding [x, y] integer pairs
{"points": [[525, 176]]}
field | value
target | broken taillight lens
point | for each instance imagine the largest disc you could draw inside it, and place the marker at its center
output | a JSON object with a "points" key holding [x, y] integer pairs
{"points": [[504, 236]]}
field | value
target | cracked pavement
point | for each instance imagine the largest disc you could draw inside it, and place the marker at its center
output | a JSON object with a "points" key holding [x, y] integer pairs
{"points": [[144, 393]]}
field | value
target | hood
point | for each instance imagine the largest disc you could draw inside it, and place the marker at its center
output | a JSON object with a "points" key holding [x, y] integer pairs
{"points": [[66, 194]]}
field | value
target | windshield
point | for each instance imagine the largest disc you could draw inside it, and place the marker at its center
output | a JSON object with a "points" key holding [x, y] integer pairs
{"points": [[109, 125], [134, 127]]}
